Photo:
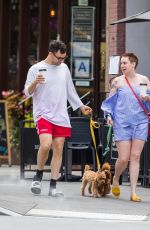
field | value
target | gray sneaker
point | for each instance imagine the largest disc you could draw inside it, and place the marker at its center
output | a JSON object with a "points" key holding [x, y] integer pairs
{"points": [[54, 193], [36, 187]]}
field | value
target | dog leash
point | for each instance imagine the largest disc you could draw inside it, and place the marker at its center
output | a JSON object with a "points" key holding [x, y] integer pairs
{"points": [[107, 149], [96, 125]]}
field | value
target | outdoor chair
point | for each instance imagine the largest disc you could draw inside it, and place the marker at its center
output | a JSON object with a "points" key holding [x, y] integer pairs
{"points": [[81, 141]]}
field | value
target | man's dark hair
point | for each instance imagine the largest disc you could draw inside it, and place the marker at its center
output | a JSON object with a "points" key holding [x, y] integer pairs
{"points": [[56, 45]]}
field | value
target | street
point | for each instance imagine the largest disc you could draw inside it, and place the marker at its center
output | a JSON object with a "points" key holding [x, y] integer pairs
{"points": [[19, 209]]}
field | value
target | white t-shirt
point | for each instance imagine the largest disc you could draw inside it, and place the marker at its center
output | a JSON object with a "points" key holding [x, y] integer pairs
{"points": [[50, 98]]}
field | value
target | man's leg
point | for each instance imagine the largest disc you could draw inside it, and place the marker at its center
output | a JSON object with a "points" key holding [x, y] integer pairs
{"points": [[57, 144], [42, 156]]}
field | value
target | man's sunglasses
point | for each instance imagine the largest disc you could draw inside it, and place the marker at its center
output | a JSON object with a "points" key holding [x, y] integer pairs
{"points": [[59, 58]]}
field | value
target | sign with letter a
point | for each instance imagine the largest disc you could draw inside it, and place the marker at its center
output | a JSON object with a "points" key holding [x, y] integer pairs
{"points": [[82, 67], [82, 43]]}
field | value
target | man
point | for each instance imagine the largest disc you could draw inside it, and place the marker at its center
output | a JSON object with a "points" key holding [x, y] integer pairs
{"points": [[50, 91]]}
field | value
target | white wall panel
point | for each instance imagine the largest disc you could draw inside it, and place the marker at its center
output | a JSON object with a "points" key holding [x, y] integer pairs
{"points": [[138, 35]]}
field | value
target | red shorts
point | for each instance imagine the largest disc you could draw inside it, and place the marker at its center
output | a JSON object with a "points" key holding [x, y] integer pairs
{"points": [[44, 126]]}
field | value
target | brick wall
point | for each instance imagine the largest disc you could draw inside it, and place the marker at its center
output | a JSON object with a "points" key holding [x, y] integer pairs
{"points": [[116, 33]]}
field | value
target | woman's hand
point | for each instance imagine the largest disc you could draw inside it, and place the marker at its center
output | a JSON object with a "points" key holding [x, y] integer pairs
{"points": [[109, 120], [145, 97]]}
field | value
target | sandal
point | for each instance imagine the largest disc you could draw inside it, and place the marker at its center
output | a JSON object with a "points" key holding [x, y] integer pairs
{"points": [[135, 198], [115, 189]]}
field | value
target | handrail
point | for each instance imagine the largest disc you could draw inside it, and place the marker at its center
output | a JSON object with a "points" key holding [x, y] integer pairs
{"points": [[85, 95], [25, 99]]}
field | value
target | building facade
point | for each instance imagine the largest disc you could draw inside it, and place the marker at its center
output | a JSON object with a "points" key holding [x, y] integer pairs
{"points": [[26, 27]]}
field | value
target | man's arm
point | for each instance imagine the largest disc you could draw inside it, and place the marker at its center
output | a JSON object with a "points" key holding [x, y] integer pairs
{"points": [[73, 97], [31, 83], [32, 87], [113, 89]]}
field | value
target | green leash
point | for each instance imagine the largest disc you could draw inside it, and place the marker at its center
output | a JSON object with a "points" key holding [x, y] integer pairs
{"points": [[107, 149]]}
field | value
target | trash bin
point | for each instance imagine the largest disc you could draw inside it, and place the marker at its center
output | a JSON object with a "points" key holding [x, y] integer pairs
{"points": [[145, 165]]}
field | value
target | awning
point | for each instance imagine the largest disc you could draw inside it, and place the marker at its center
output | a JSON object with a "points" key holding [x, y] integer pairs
{"points": [[140, 17]]}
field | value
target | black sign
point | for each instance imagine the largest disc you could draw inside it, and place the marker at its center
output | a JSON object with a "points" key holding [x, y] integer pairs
{"points": [[82, 15], [82, 33]]}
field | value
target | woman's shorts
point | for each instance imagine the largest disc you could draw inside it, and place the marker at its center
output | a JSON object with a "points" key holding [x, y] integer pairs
{"points": [[44, 126], [131, 132]]}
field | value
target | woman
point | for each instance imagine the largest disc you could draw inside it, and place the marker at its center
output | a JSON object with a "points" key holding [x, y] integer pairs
{"points": [[130, 122]]}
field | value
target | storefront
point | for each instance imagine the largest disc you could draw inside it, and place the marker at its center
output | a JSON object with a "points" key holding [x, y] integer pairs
{"points": [[28, 26]]}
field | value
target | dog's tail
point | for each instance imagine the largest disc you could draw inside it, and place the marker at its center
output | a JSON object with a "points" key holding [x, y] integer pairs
{"points": [[87, 167], [106, 166]]}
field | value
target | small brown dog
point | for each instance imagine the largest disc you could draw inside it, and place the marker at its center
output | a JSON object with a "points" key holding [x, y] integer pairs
{"points": [[88, 178], [99, 182], [98, 185], [107, 186]]}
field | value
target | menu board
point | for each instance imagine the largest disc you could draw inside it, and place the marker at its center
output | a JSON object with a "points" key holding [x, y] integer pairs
{"points": [[4, 132], [82, 32], [82, 43]]}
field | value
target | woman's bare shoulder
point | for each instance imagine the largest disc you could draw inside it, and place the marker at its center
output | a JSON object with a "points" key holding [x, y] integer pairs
{"points": [[115, 84], [117, 81], [143, 78]]}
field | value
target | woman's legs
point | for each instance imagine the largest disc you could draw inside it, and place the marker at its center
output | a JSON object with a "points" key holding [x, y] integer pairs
{"points": [[136, 149], [128, 151], [124, 149]]}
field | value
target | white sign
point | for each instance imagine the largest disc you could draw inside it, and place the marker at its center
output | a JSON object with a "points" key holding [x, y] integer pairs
{"points": [[82, 41], [82, 67], [83, 2], [114, 65], [82, 49], [82, 83]]}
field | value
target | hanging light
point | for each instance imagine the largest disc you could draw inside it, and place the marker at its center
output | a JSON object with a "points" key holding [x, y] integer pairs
{"points": [[52, 13]]}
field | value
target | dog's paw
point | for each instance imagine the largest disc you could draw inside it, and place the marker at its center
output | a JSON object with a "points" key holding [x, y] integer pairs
{"points": [[82, 192]]}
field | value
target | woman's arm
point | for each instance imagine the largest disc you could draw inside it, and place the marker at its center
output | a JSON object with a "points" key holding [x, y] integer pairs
{"points": [[108, 104], [113, 86]]}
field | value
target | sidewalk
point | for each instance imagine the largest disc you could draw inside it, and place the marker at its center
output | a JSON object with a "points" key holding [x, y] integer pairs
{"points": [[16, 199]]}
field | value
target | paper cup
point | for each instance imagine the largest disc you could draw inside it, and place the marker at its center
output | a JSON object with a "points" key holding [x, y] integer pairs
{"points": [[43, 73], [143, 89]]}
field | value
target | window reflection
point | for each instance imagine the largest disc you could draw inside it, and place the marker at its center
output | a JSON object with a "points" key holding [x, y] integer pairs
{"points": [[33, 34]]}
